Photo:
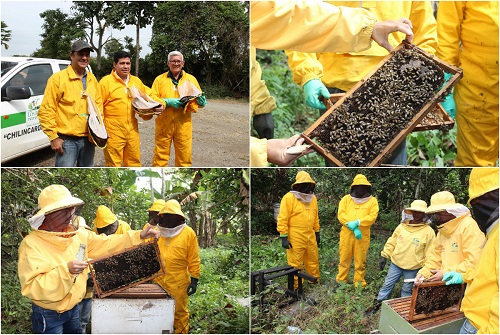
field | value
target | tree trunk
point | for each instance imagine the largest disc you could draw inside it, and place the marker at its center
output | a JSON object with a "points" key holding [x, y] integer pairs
{"points": [[137, 45]]}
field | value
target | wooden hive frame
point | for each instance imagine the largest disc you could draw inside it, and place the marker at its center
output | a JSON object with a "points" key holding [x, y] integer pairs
{"points": [[121, 264], [437, 118], [401, 136], [439, 306]]}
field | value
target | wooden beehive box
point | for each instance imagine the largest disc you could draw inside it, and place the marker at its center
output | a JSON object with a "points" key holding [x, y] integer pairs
{"points": [[434, 298], [437, 118], [394, 320], [365, 125], [125, 269]]}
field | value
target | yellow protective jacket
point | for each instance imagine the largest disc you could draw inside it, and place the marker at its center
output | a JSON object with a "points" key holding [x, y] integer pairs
{"points": [[43, 265], [164, 88], [366, 213], [181, 258], [64, 109], [124, 142], [309, 26], [296, 219], [258, 152], [409, 245], [173, 123], [480, 303], [343, 70], [457, 248], [123, 227], [261, 101], [468, 38]]}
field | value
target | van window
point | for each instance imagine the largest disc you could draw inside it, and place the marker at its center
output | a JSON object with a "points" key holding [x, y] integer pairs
{"points": [[37, 76], [6, 66], [63, 67], [17, 80]]}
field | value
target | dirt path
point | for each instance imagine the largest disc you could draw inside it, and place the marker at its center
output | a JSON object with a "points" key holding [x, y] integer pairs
{"points": [[220, 139]]}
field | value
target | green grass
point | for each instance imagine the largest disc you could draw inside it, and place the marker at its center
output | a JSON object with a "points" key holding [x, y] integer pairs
{"points": [[337, 311]]}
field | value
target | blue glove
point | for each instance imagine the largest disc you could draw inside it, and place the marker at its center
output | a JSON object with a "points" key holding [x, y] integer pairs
{"points": [[192, 286], [352, 224], [449, 103], [453, 277], [201, 100], [357, 233], [313, 89], [174, 102]]}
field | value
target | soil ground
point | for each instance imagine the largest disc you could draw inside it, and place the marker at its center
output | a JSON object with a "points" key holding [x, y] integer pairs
{"points": [[220, 139]]}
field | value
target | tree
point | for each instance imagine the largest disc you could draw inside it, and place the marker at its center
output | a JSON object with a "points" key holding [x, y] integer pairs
{"points": [[99, 16], [6, 35], [393, 188], [212, 36], [60, 30], [140, 14]]}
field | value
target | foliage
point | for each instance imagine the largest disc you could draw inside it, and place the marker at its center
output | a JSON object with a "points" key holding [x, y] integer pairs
{"points": [[140, 14], [394, 189], [223, 200], [338, 310], [60, 30], [292, 115], [219, 306], [15, 308], [97, 17], [212, 36], [6, 35], [432, 148]]}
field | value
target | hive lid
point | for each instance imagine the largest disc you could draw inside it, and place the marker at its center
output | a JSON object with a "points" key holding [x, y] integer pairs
{"points": [[367, 124], [122, 270]]}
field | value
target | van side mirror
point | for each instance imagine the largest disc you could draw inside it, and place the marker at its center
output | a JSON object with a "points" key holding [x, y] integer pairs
{"points": [[17, 93]]}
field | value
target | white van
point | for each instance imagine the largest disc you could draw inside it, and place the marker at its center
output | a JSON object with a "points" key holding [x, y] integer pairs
{"points": [[23, 82]]}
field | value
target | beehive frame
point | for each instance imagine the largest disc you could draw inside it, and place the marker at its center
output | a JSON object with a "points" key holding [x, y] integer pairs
{"points": [[128, 268], [437, 118], [422, 308], [384, 154]]}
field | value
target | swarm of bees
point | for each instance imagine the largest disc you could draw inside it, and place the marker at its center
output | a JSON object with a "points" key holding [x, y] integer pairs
{"points": [[123, 269], [360, 128], [434, 298]]}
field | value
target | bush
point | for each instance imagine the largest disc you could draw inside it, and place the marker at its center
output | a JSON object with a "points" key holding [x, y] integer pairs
{"points": [[16, 309]]}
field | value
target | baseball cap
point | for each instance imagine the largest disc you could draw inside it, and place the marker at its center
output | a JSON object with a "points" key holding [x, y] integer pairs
{"points": [[80, 45]]}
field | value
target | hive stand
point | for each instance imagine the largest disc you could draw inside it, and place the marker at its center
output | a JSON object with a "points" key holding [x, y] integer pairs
{"points": [[259, 280]]}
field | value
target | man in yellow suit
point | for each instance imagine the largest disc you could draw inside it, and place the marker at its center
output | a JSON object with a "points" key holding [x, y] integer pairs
{"points": [[480, 303], [106, 222], [49, 272], [298, 225], [468, 38], [336, 72], [64, 110], [458, 242], [124, 144], [180, 253], [175, 124], [358, 211]]}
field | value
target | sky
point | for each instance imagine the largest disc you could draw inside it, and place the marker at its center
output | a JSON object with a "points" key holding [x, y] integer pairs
{"points": [[23, 19]]}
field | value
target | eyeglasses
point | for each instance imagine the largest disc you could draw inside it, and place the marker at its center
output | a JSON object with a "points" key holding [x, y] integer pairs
{"points": [[176, 61]]}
